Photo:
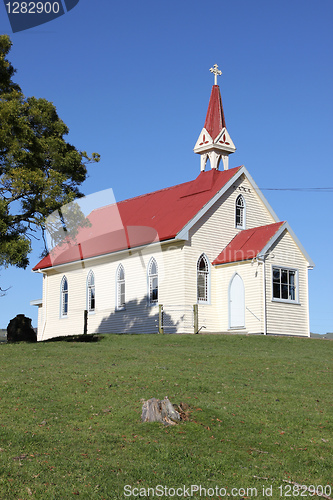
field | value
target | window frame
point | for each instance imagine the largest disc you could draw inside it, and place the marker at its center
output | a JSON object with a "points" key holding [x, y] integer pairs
{"points": [[120, 306], [91, 287], [64, 296], [206, 274], [242, 209], [295, 285], [150, 279]]}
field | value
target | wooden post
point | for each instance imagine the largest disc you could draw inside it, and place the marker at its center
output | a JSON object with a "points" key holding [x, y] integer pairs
{"points": [[196, 319], [160, 318], [85, 319]]}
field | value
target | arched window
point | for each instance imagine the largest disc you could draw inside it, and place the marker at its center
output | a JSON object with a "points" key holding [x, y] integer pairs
{"points": [[120, 288], [240, 212], [91, 297], [64, 297], [203, 279], [153, 282]]}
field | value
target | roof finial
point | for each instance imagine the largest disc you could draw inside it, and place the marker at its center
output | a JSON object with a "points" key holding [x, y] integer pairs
{"points": [[216, 72]]}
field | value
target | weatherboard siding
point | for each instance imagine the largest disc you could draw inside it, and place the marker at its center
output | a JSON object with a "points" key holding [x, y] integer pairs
{"points": [[137, 316], [287, 318], [53, 324]]}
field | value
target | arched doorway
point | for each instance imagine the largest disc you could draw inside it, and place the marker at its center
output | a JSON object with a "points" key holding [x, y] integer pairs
{"points": [[236, 302]]}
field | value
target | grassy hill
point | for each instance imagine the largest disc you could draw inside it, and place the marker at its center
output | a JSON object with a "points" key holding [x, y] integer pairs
{"points": [[260, 415]]}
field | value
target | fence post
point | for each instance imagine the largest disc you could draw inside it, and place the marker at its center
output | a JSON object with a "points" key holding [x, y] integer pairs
{"points": [[195, 316], [160, 318], [85, 320]]}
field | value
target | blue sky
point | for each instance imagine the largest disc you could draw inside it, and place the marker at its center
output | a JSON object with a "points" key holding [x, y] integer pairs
{"points": [[131, 80]]}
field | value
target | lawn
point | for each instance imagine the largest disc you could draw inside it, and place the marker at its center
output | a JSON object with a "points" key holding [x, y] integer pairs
{"points": [[260, 417]]}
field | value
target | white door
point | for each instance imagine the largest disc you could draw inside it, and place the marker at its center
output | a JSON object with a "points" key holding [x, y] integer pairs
{"points": [[236, 302]]}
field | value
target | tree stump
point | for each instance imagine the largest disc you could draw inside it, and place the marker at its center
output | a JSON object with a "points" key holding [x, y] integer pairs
{"points": [[159, 410]]}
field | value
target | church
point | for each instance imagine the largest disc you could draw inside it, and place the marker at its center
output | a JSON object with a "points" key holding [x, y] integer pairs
{"points": [[206, 256]]}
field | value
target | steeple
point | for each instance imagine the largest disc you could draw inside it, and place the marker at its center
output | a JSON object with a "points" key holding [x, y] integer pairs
{"points": [[214, 140]]}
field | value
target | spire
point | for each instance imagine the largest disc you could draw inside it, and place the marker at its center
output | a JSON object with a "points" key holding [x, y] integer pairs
{"points": [[214, 140], [215, 120]]}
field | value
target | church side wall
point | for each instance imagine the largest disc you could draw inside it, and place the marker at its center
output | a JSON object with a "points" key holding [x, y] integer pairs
{"points": [[137, 316], [285, 318], [210, 235]]}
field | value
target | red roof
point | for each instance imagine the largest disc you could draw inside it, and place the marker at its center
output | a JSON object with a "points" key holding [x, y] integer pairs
{"points": [[156, 216], [247, 243], [215, 121]]}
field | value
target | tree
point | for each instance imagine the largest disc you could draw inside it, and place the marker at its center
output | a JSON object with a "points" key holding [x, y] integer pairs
{"points": [[39, 171]]}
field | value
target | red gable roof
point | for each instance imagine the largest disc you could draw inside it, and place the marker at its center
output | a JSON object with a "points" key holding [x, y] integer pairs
{"points": [[247, 244], [215, 120], [156, 216]]}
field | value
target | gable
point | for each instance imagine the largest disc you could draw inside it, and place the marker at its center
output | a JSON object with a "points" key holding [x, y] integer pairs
{"points": [[247, 244], [244, 183]]}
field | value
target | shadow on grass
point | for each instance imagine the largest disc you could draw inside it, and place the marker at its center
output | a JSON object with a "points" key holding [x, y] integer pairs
{"points": [[76, 338]]}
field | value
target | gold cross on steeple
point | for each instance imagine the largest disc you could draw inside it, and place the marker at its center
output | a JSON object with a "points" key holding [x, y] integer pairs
{"points": [[216, 72]]}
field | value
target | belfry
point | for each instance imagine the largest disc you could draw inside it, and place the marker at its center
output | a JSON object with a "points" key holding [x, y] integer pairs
{"points": [[214, 143]]}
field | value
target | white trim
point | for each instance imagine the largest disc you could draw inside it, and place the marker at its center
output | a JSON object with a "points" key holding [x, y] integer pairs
{"points": [[36, 302], [264, 294], [45, 304], [233, 263], [286, 301], [307, 301], [183, 234], [118, 252]]}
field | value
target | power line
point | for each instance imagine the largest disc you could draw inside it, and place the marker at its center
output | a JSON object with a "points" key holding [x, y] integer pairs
{"points": [[310, 189]]}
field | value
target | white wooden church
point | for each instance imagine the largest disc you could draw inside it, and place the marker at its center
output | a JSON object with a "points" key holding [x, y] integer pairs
{"points": [[209, 255]]}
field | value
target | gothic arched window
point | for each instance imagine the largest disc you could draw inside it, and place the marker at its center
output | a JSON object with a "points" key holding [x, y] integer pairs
{"points": [[153, 282], [64, 297], [91, 297], [203, 279], [240, 212], [120, 287]]}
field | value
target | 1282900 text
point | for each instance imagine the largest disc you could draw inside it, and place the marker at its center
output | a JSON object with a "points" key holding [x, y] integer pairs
{"points": [[33, 7]]}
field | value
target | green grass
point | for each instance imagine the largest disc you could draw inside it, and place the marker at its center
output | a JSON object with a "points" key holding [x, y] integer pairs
{"points": [[70, 415]]}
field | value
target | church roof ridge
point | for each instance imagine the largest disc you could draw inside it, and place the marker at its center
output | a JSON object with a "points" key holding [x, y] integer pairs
{"points": [[140, 220], [196, 181]]}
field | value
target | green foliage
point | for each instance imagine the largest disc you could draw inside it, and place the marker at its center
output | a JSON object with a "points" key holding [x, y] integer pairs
{"points": [[260, 414], [39, 170]]}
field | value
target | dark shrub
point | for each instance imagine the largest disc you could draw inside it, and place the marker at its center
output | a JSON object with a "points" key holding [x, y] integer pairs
{"points": [[19, 329]]}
